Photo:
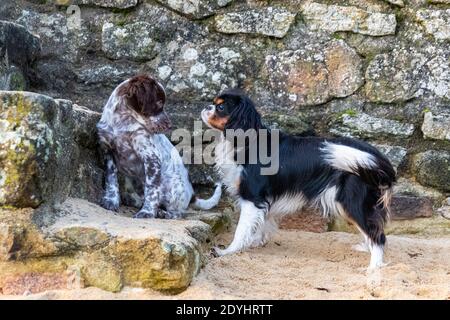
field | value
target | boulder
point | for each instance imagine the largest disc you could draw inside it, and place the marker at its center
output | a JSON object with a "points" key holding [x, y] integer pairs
{"points": [[195, 9], [432, 168], [313, 75], [334, 18], [270, 21], [36, 149], [48, 150], [86, 245], [436, 126]]}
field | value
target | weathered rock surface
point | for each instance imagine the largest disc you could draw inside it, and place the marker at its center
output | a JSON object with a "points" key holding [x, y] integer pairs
{"points": [[366, 126], [405, 207], [21, 47], [269, 21], [436, 126], [435, 226], [314, 75], [119, 4], [18, 50], [196, 9], [203, 71], [102, 249], [47, 148], [61, 36], [408, 187], [121, 41], [395, 154], [394, 76], [399, 3], [36, 149], [334, 18], [432, 168], [435, 22], [438, 78]]}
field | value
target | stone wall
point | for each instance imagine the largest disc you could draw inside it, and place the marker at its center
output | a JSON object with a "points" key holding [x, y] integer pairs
{"points": [[378, 70]]}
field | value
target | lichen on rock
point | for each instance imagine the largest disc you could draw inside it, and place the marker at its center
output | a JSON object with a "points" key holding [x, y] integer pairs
{"points": [[196, 9], [436, 126], [432, 168], [363, 125], [121, 41], [314, 75], [334, 18], [119, 4], [270, 21], [435, 22]]}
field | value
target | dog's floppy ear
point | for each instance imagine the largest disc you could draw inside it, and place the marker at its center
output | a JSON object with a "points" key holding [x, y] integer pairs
{"points": [[144, 95], [244, 116]]}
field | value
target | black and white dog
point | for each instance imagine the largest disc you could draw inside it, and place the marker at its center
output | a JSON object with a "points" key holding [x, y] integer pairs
{"points": [[341, 176], [130, 132]]}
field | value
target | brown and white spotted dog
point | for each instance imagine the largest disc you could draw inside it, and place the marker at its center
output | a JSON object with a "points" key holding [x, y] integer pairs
{"points": [[132, 141]]}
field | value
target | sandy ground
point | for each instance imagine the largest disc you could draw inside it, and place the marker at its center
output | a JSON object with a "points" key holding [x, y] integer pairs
{"points": [[304, 265]]}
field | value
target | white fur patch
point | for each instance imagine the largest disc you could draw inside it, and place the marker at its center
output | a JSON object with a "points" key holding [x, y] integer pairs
{"points": [[346, 158], [251, 221], [228, 169], [327, 202], [287, 204], [206, 204], [376, 256]]}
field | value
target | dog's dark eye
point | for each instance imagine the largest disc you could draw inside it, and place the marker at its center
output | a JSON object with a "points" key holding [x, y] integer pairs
{"points": [[220, 107]]}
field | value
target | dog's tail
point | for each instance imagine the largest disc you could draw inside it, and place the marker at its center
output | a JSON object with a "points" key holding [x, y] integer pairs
{"points": [[368, 163], [206, 204]]}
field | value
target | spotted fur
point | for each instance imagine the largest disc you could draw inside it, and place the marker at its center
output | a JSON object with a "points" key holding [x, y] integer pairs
{"points": [[130, 132]]}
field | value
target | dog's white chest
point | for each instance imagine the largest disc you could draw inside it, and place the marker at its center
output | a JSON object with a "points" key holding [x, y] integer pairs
{"points": [[228, 169]]}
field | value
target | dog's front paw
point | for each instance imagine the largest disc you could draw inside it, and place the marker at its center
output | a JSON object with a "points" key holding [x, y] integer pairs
{"points": [[144, 214], [110, 204]]}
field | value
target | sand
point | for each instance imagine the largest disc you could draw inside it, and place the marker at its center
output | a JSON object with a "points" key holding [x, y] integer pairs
{"points": [[304, 265]]}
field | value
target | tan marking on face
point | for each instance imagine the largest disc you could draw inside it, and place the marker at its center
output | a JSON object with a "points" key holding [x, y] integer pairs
{"points": [[217, 122], [218, 101]]}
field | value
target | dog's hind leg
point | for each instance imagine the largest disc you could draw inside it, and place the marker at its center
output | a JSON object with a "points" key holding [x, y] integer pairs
{"points": [[250, 222], [359, 206], [111, 198]]}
